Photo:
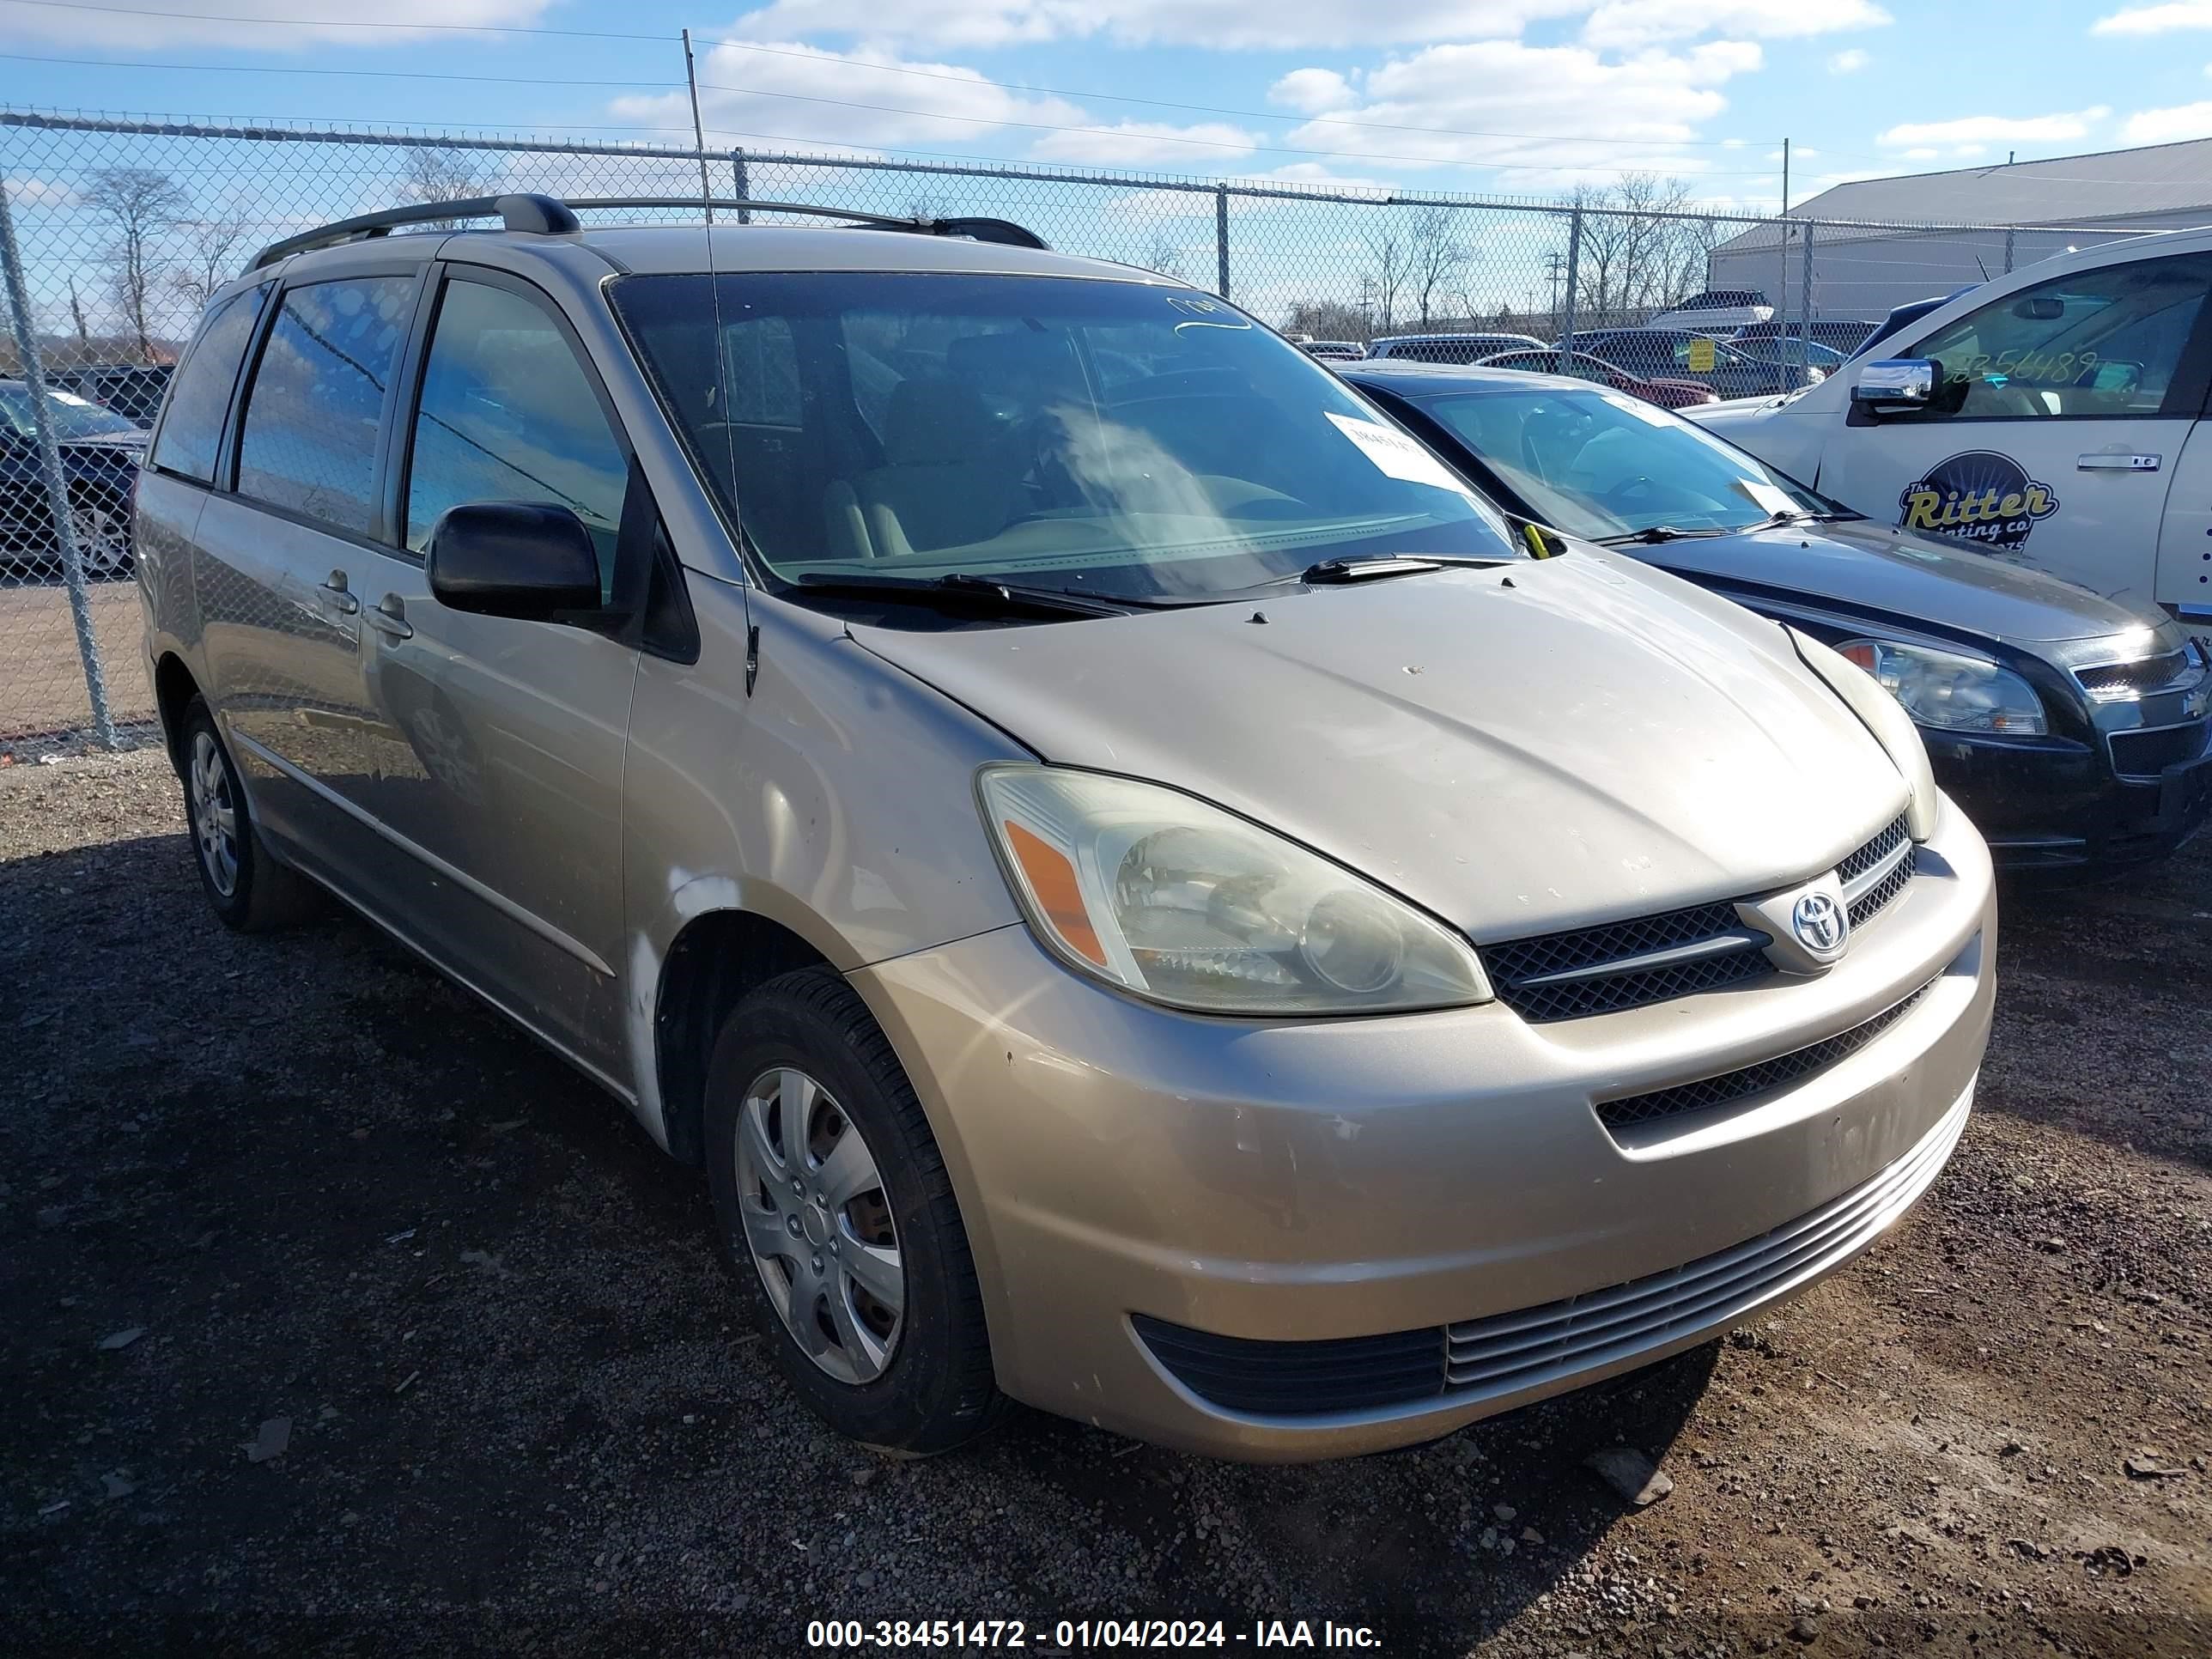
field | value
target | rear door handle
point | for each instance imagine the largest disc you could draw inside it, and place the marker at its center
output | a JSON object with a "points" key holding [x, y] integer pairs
{"points": [[2105, 461], [336, 595], [389, 619]]}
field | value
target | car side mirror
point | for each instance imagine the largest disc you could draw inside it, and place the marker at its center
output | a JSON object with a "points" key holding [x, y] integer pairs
{"points": [[526, 560], [1897, 383]]}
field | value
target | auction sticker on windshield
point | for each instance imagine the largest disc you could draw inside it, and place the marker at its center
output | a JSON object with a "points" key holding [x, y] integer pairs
{"points": [[1397, 455]]}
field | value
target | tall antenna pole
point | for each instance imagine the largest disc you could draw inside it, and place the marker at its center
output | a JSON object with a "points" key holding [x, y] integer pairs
{"points": [[699, 132]]}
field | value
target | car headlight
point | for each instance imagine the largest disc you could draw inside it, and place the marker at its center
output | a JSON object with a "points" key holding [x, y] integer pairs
{"points": [[1182, 902], [1884, 717], [1949, 692]]}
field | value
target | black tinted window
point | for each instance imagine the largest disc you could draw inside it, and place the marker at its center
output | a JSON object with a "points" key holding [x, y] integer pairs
{"points": [[193, 431], [507, 414], [309, 443]]}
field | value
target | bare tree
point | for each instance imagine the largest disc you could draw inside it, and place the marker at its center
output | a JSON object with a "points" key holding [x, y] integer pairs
{"points": [[1641, 248], [446, 175], [1388, 266], [209, 261], [1164, 255], [76, 316], [142, 206], [1435, 257], [1326, 319]]}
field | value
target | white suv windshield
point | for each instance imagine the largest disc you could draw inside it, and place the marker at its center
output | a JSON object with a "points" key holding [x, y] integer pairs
{"points": [[1121, 438]]}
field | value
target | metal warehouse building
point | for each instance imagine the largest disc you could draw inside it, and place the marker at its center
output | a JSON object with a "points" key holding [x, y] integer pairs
{"points": [[2029, 211]]}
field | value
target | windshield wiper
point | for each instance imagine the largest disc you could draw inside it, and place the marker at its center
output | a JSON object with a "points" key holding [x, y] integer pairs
{"points": [[965, 588], [1671, 532], [1377, 567]]}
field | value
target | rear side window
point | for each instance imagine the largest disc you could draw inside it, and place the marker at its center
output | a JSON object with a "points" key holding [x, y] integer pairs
{"points": [[193, 431], [311, 418]]}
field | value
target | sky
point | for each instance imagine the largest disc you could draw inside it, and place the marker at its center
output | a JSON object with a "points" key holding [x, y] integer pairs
{"points": [[1525, 98]]}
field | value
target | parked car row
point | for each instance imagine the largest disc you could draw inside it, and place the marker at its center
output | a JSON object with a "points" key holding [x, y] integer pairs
{"points": [[99, 454], [1149, 888]]}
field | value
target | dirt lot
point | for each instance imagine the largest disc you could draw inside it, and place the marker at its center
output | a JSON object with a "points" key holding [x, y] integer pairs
{"points": [[309, 1181], [41, 675]]}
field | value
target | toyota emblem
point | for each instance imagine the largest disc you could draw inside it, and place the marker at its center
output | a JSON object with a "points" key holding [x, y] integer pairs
{"points": [[1820, 924]]}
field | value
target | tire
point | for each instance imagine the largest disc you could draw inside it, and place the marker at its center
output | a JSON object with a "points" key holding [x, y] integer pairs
{"points": [[922, 1382], [249, 890]]}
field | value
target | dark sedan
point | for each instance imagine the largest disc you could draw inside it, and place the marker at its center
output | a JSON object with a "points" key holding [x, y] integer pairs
{"points": [[2071, 727], [101, 451], [1685, 355]]}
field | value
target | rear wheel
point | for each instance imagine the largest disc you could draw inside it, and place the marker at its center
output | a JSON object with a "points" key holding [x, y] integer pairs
{"points": [[247, 887], [831, 1200]]}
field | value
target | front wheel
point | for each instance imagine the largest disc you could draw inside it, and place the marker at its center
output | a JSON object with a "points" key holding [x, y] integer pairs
{"points": [[103, 536], [831, 1198]]}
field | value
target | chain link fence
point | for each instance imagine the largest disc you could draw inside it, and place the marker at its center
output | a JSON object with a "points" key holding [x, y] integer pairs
{"points": [[122, 227]]}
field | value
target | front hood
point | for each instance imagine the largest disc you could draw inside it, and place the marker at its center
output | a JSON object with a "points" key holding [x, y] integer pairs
{"points": [[1735, 412], [119, 447], [1519, 750], [1869, 568]]}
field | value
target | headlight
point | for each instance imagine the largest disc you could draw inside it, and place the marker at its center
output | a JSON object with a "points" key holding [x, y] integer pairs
{"points": [[1184, 903], [1884, 717], [1950, 692]]}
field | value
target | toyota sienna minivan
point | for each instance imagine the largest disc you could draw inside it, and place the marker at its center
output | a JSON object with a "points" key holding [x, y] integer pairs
{"points": [[1141, 891]]}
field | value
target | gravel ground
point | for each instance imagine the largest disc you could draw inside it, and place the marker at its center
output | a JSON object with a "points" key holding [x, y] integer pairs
{"points": [[301, 1182]]}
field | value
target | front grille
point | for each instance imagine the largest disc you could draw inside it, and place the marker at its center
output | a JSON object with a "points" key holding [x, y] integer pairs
{"points": [[1524, 972], [2147, 754], [1871, 855], [2119, 679], [1740, 1085], [1513, 1353], [1863, 908]]}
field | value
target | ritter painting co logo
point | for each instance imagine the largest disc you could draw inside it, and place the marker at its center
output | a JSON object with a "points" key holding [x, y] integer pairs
{"points": [[1980, 497]]}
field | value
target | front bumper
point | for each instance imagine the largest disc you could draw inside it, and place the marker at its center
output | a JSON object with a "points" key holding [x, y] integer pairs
{"points": [[2059, 806], [1123, 1166]]}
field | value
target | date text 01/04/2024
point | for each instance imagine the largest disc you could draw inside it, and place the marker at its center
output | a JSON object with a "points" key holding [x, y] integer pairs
{"points": [[1065, 1636]]}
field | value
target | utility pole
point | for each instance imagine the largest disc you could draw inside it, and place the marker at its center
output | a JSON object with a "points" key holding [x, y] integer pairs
{"points": [[698, 132], [1785, 161], [1555, 266]]}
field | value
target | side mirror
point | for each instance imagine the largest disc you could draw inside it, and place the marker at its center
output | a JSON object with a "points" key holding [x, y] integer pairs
{"points": [[520, 559], [1898, 383]]}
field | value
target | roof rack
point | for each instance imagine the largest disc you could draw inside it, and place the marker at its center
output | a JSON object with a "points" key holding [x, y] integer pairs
{"points": [[548, 215]]}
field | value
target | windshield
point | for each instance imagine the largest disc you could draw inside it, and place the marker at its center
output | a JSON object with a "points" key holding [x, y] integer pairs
{"points": [[1113, 437], [1598, 464], [73, 417]]}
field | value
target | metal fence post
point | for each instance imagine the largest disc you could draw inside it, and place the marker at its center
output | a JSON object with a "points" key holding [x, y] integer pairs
{"points": [[1221, 239], [1574, 273], [1805, 303], [50, 463], [2009, 236], [737, 176]]}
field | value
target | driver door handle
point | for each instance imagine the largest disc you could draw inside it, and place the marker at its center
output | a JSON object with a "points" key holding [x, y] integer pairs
{"points": [[389, 618], [2110, 461]]}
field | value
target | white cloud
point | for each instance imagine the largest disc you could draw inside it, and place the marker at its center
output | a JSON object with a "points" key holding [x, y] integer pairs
{"points": [[2166, 126], [250, 24], [1206, 145], [807, 96], [1923, 153], [1628, 24], [1313, 91], [2156, 20], [40, 192], [1655, 101], [1995, 129], [1849, 63], [1237, 24]]}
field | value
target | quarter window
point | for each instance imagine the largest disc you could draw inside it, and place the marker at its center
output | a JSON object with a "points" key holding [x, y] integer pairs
{"points": [[508, 413], [2102, 342], [191, 431], [311, 418]]}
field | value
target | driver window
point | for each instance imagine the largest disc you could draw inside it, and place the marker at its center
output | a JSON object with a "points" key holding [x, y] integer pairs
{"points": [[508, 413], [2106, 342]]}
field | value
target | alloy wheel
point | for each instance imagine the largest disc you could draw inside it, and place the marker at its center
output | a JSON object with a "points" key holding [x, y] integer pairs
{"points": [[817, 1223], [103, 538], [214, 814]]}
